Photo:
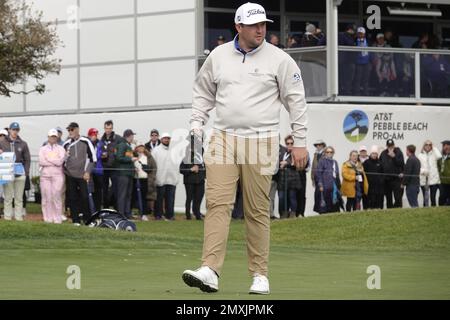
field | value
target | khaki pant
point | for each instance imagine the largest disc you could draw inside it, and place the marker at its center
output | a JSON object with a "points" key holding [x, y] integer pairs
{"points": [[14, 190], [230, 159]]}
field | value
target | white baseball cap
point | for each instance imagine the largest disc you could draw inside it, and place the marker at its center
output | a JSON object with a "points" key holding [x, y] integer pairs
{"points": [[361, 30], [165, 135], [4, 132], [250, 13], [52, 133]]}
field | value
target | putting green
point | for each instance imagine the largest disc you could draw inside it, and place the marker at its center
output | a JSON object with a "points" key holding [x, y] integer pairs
{"points": [[322, 257]]}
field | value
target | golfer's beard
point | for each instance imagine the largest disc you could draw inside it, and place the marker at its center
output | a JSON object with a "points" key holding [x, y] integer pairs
{"points": [[255, 43]]}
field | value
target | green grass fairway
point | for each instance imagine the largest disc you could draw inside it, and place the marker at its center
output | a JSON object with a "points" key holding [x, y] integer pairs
{"points": [[322, 257]]}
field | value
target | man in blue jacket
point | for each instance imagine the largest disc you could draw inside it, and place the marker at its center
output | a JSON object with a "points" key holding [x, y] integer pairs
{"points": [[361, 80]]}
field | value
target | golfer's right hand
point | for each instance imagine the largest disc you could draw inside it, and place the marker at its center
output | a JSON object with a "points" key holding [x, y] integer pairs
{"points": [[300, 157]]}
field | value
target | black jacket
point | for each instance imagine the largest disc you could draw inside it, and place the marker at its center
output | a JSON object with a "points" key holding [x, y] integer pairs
{"points": [[392, 165], [288, 178], [109, 149], [190, 177], [374, 173], [149, 147], [412, 172]]}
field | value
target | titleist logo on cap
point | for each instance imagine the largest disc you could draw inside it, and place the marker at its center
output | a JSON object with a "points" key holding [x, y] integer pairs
{"points": [[252, 12]]}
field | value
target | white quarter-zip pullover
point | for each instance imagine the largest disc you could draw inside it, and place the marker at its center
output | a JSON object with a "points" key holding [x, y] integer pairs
{"points": [[248, 91]]}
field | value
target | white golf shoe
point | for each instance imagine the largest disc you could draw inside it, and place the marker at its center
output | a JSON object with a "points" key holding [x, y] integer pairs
{"points": [[260, 285], [203, 278]]}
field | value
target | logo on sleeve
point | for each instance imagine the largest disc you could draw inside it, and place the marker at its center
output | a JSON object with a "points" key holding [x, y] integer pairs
{"points": [[297, 77]]}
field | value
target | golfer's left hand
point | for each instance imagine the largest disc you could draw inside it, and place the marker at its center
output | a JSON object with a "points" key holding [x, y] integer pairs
{"points": [[300, 157]]}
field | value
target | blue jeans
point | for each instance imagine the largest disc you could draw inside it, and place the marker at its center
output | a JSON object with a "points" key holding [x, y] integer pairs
{"points": [[412, 192], [287, 200], [166, 194]]}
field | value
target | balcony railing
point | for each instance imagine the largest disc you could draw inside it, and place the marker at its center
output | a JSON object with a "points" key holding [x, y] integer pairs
{"points": [[376, 74]]}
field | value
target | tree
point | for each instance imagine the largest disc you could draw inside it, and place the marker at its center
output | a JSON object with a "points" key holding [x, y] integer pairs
{"points": [[357, 117], [26, 48]]}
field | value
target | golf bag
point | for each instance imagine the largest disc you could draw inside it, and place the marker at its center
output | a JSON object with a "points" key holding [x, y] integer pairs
{"points": [[109, 218]]}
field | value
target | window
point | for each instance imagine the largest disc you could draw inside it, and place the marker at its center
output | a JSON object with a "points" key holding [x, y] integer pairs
{"points": [[269, 5]]}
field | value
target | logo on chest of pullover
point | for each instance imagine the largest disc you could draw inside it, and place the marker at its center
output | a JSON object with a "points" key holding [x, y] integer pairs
{"points": [[256, 73]]}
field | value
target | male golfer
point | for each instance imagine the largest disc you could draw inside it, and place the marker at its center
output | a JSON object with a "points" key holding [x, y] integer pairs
{"points": [[247, 80]]}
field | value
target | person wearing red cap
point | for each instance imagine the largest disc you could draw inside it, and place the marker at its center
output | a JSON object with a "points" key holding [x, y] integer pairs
{"points": [[97, 172]]}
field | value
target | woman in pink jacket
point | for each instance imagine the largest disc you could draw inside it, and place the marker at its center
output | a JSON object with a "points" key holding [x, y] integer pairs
{"points": [[51, 159]]}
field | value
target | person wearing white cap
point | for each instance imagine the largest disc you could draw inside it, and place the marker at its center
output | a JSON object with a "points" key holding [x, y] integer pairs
{"points": [[60, 140], [375, 178], [362, 154], [167, 176], [361, 79], [247, 81], [51, 160], [3, 134]]}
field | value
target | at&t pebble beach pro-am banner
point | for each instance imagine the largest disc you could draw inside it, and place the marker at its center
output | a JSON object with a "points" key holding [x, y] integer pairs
{"points": [[347, 127]]}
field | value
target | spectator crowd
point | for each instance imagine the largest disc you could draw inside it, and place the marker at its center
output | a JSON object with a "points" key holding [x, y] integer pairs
{"points": [[87, 173], [367, 73]]}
